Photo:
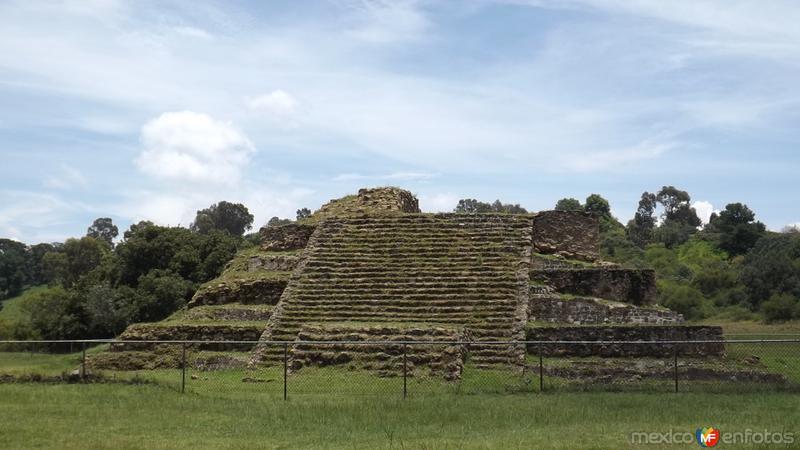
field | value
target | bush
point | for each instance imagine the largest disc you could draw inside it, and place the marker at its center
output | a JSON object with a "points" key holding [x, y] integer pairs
{"points": [[683, 299], [159, 294], [780, 308], [736, 313], [56, 313]]}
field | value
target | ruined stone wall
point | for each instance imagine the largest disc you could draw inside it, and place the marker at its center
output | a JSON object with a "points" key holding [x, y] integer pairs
{"points": [[571, 234], [634, 286], [388, 199], [369, 201], [293, 236], [257, 291], [583, 310], [627, 333], [179, 332]]}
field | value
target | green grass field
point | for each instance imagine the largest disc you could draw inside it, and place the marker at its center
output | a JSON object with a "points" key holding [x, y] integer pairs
{"points": [[336, 408], [120, 416]]}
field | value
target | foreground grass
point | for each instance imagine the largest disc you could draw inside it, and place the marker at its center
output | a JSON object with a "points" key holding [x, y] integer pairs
{"points": [[747, 329], [120, 416]]}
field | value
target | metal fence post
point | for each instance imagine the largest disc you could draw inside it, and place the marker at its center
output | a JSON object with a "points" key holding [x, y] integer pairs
{"points": [[541, 369], [183, 369], [405, 371], [675, 364], [285, 369], [83, 362]]}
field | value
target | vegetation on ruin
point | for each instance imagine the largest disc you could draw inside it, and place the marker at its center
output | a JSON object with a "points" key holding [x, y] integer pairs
{"points": [[731, 269]]}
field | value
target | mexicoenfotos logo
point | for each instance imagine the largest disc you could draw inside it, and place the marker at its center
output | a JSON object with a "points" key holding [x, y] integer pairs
{"points": [[707, 437], [710, 437]]}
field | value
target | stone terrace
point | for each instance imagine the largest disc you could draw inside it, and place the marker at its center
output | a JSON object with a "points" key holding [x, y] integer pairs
{"points": [[467, 271]]}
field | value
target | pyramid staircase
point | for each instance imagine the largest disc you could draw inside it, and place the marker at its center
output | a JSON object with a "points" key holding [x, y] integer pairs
{"points": [[469, 272]]}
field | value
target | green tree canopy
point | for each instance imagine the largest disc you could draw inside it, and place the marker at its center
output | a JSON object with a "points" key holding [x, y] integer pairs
{"points": [[277, 221], [772, 267], [303, 213], [195, 257], [103, 229], [640, 229], [13, 265], [569, 204], [738, 230], [472, 206], [231, 217]]}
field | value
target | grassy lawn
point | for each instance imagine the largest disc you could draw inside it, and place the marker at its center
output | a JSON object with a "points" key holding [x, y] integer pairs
{"points": [[119, 416], [12, 308], [337, 408], [757, 330]]}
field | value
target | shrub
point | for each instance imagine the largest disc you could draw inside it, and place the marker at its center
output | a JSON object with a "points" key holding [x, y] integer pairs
{"points": [[780, 308]]}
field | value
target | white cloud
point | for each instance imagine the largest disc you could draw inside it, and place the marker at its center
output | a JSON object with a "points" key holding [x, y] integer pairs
{"points": [[389, 21], [68, 177], [395, 176], [440, 202], [33, 217], [189, 146], [180, 206], [589, 161], [193, 32], [704, 210], [278, 102]]}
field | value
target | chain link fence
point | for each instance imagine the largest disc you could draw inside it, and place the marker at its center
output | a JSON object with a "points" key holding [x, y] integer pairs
{"points": [[410, 369]]}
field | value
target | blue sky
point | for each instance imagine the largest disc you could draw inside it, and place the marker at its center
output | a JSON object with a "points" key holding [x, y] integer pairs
{"points": [[152, 110]]}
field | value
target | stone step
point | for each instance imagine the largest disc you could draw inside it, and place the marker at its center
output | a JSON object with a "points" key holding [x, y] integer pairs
{"points": [[431, 291], [430, 307], [407, 308]]}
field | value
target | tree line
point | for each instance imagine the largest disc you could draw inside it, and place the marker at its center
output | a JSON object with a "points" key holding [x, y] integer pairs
{"points": [[95, 288]]}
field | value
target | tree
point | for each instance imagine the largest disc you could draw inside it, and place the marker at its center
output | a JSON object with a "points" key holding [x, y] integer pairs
{"points": [[780, 308], [231, 217], [507, 208], [680, 220], [193, 256], [303, 213], [13, 264], [737, 228], [640, 229], [55, 267], [772, 267], [160, 293], [597, 205], [673, 233], [103, 229], [57, 313], [36, 272], [82, 256], [568, 204], [677, 206], [683, 299], [109, 310], [277, 221], [472, 206]]}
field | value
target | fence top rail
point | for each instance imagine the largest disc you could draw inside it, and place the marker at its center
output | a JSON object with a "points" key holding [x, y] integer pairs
{"points": [[404, 342]]}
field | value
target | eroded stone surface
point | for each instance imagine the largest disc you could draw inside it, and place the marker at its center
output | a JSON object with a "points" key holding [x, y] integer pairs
{"points": [[571, 234], [587, 310], [577, 334], [293, 236], [634, 286]]}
